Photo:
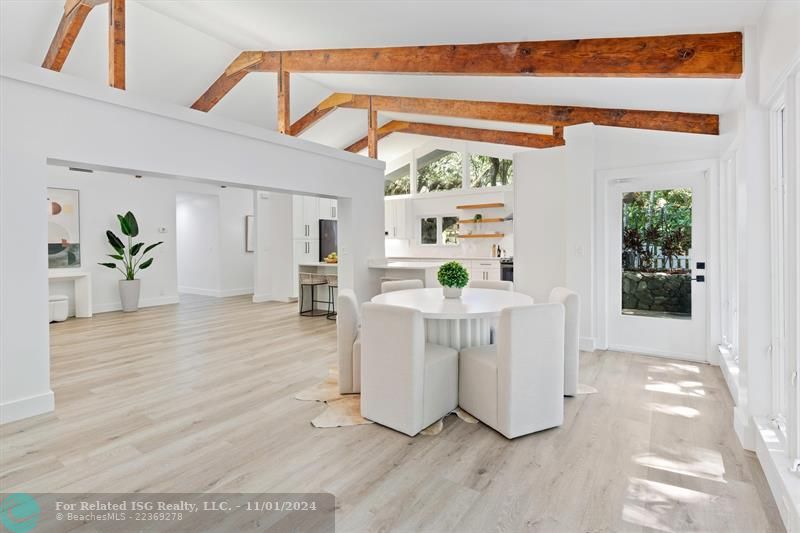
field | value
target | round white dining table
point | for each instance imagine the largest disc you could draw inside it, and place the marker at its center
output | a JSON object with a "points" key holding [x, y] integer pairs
{"points": [[456, 322]]}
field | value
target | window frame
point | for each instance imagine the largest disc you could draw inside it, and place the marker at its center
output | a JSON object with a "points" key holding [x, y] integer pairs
{"points": [[467, 150], [439, 230]]}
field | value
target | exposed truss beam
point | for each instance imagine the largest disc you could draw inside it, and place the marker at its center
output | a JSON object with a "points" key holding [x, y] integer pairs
{"points": [[244, 63], [549, 115], [712, 55], [75, 13], [514, 138], [708, 55], [116, 44]]}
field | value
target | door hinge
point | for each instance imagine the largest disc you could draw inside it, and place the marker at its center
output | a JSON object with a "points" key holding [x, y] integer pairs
{"points": [[795, 466]]}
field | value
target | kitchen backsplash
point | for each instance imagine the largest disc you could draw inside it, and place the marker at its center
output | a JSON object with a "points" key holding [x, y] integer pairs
{"points": [[466, 248]]}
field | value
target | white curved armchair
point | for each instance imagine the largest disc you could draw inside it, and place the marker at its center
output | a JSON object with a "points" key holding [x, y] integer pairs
{"points": [[401, 285], [496, 285], [572, 307], [517, 385], [348, 342], [406, 383]]}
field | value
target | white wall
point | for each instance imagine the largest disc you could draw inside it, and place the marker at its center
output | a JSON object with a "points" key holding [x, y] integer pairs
{"points": [[198, 242], [40, 111], [102, 196], [274, 247], [778, 44], [553, 222], [236, 264], [539, 221]]}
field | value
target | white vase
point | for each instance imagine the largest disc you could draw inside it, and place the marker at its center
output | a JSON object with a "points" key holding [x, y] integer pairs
{"points": [[129, 294], [452, 292]]}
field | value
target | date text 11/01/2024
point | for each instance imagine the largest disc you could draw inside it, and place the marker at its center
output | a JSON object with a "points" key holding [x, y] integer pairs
{"points": [[187, 507]]}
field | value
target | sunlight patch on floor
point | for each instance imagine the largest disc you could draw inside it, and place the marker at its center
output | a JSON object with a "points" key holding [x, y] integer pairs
{"points": [[651, 504], [695, 462], [675, 388], [673, 410]]}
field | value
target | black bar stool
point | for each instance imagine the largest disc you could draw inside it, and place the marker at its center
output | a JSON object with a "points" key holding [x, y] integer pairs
{"points": [[333, 283], [312, 281]]}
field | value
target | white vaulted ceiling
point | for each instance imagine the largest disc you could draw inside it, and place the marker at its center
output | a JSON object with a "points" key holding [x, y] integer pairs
{"points": [[176, 49]]}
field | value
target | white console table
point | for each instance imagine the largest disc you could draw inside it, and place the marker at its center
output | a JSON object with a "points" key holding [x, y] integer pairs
{"points": [[83, 288]]}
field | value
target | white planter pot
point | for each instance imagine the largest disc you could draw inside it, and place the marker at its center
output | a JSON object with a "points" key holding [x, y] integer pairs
{"points": [[451, 292], [129, 294]]}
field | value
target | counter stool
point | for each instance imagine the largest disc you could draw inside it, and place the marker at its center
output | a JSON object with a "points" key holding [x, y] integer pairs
{"points": [[333, 283], [312, 281]]}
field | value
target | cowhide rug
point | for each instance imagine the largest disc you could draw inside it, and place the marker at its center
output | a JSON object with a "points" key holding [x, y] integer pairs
{"points": [[343, 410]]}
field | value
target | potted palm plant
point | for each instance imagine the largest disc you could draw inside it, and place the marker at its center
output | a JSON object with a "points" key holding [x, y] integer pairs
{"points": [[131, 257], [453, 277]]}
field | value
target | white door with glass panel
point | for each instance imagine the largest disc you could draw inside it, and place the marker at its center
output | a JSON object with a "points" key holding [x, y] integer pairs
{"points": [[657, 231]]}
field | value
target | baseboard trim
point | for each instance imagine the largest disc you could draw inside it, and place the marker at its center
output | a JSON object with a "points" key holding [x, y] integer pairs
{"points": [[658, 353], [147, 302], [216, 293], [744, 429], [244, 291], [785, 485], [199, 291], [260, 298], [27, 407], [586, 344]]}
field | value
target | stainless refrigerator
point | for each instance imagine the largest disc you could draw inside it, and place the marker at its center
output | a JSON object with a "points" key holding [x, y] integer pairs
{"points": [[327, 238]]}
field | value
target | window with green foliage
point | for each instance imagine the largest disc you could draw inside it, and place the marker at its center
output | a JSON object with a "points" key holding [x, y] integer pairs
{"points": [[427, 231], [398, 181], [439, 170], [486, 171], [449, 230]]}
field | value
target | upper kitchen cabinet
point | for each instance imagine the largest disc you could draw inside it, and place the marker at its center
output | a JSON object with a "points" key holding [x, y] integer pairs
{"points": [[328, 209], [305, 217], [396, 218]]}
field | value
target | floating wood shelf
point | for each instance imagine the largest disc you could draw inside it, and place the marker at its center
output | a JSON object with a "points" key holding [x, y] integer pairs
{"points": [[482, 236], [480, 206], [473, 221]]}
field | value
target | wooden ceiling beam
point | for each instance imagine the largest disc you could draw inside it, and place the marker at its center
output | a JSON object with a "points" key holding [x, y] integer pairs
{"points": [[242, 65], [116, 44], [514, 138], [711, 55], [705, 55], [550, 115], [75, 13]]}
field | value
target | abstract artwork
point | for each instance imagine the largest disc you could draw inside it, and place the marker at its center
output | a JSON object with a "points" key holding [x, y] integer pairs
{"points": [[249, 234], [63, 228]]}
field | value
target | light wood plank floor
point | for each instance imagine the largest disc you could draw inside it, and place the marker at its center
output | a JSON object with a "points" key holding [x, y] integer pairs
{"points": [[198, 397]]}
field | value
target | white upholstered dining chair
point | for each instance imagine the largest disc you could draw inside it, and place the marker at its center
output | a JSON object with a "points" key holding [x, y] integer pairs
{"points": [[496, 285], [348, 339], [517, 385], [401, 285], [407, 384], [572, 312]]}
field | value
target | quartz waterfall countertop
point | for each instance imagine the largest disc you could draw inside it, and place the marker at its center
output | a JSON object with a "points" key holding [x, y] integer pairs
{"points": [[402, 265]]}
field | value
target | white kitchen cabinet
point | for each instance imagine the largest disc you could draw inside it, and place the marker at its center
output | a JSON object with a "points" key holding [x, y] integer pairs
{"points": [[396, 219], [328, 209], [305, 251], [305, 217], [485, 270]]}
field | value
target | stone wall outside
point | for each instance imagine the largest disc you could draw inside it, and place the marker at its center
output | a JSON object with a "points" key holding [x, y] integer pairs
{"points": [[657, 291]]}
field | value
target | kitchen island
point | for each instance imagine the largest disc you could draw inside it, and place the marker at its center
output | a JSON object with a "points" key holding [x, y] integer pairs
{"points": [[395, 270]]}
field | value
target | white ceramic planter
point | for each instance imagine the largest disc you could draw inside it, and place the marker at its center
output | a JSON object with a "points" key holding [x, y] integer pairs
{"points": [[129, 294], [451, 292]]}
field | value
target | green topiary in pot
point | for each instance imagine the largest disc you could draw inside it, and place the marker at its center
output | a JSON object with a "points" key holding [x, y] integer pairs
{"points": [[453, 277]]}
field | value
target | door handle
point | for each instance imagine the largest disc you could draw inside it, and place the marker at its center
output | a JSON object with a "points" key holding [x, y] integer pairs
{"points": [[699, 279]]}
